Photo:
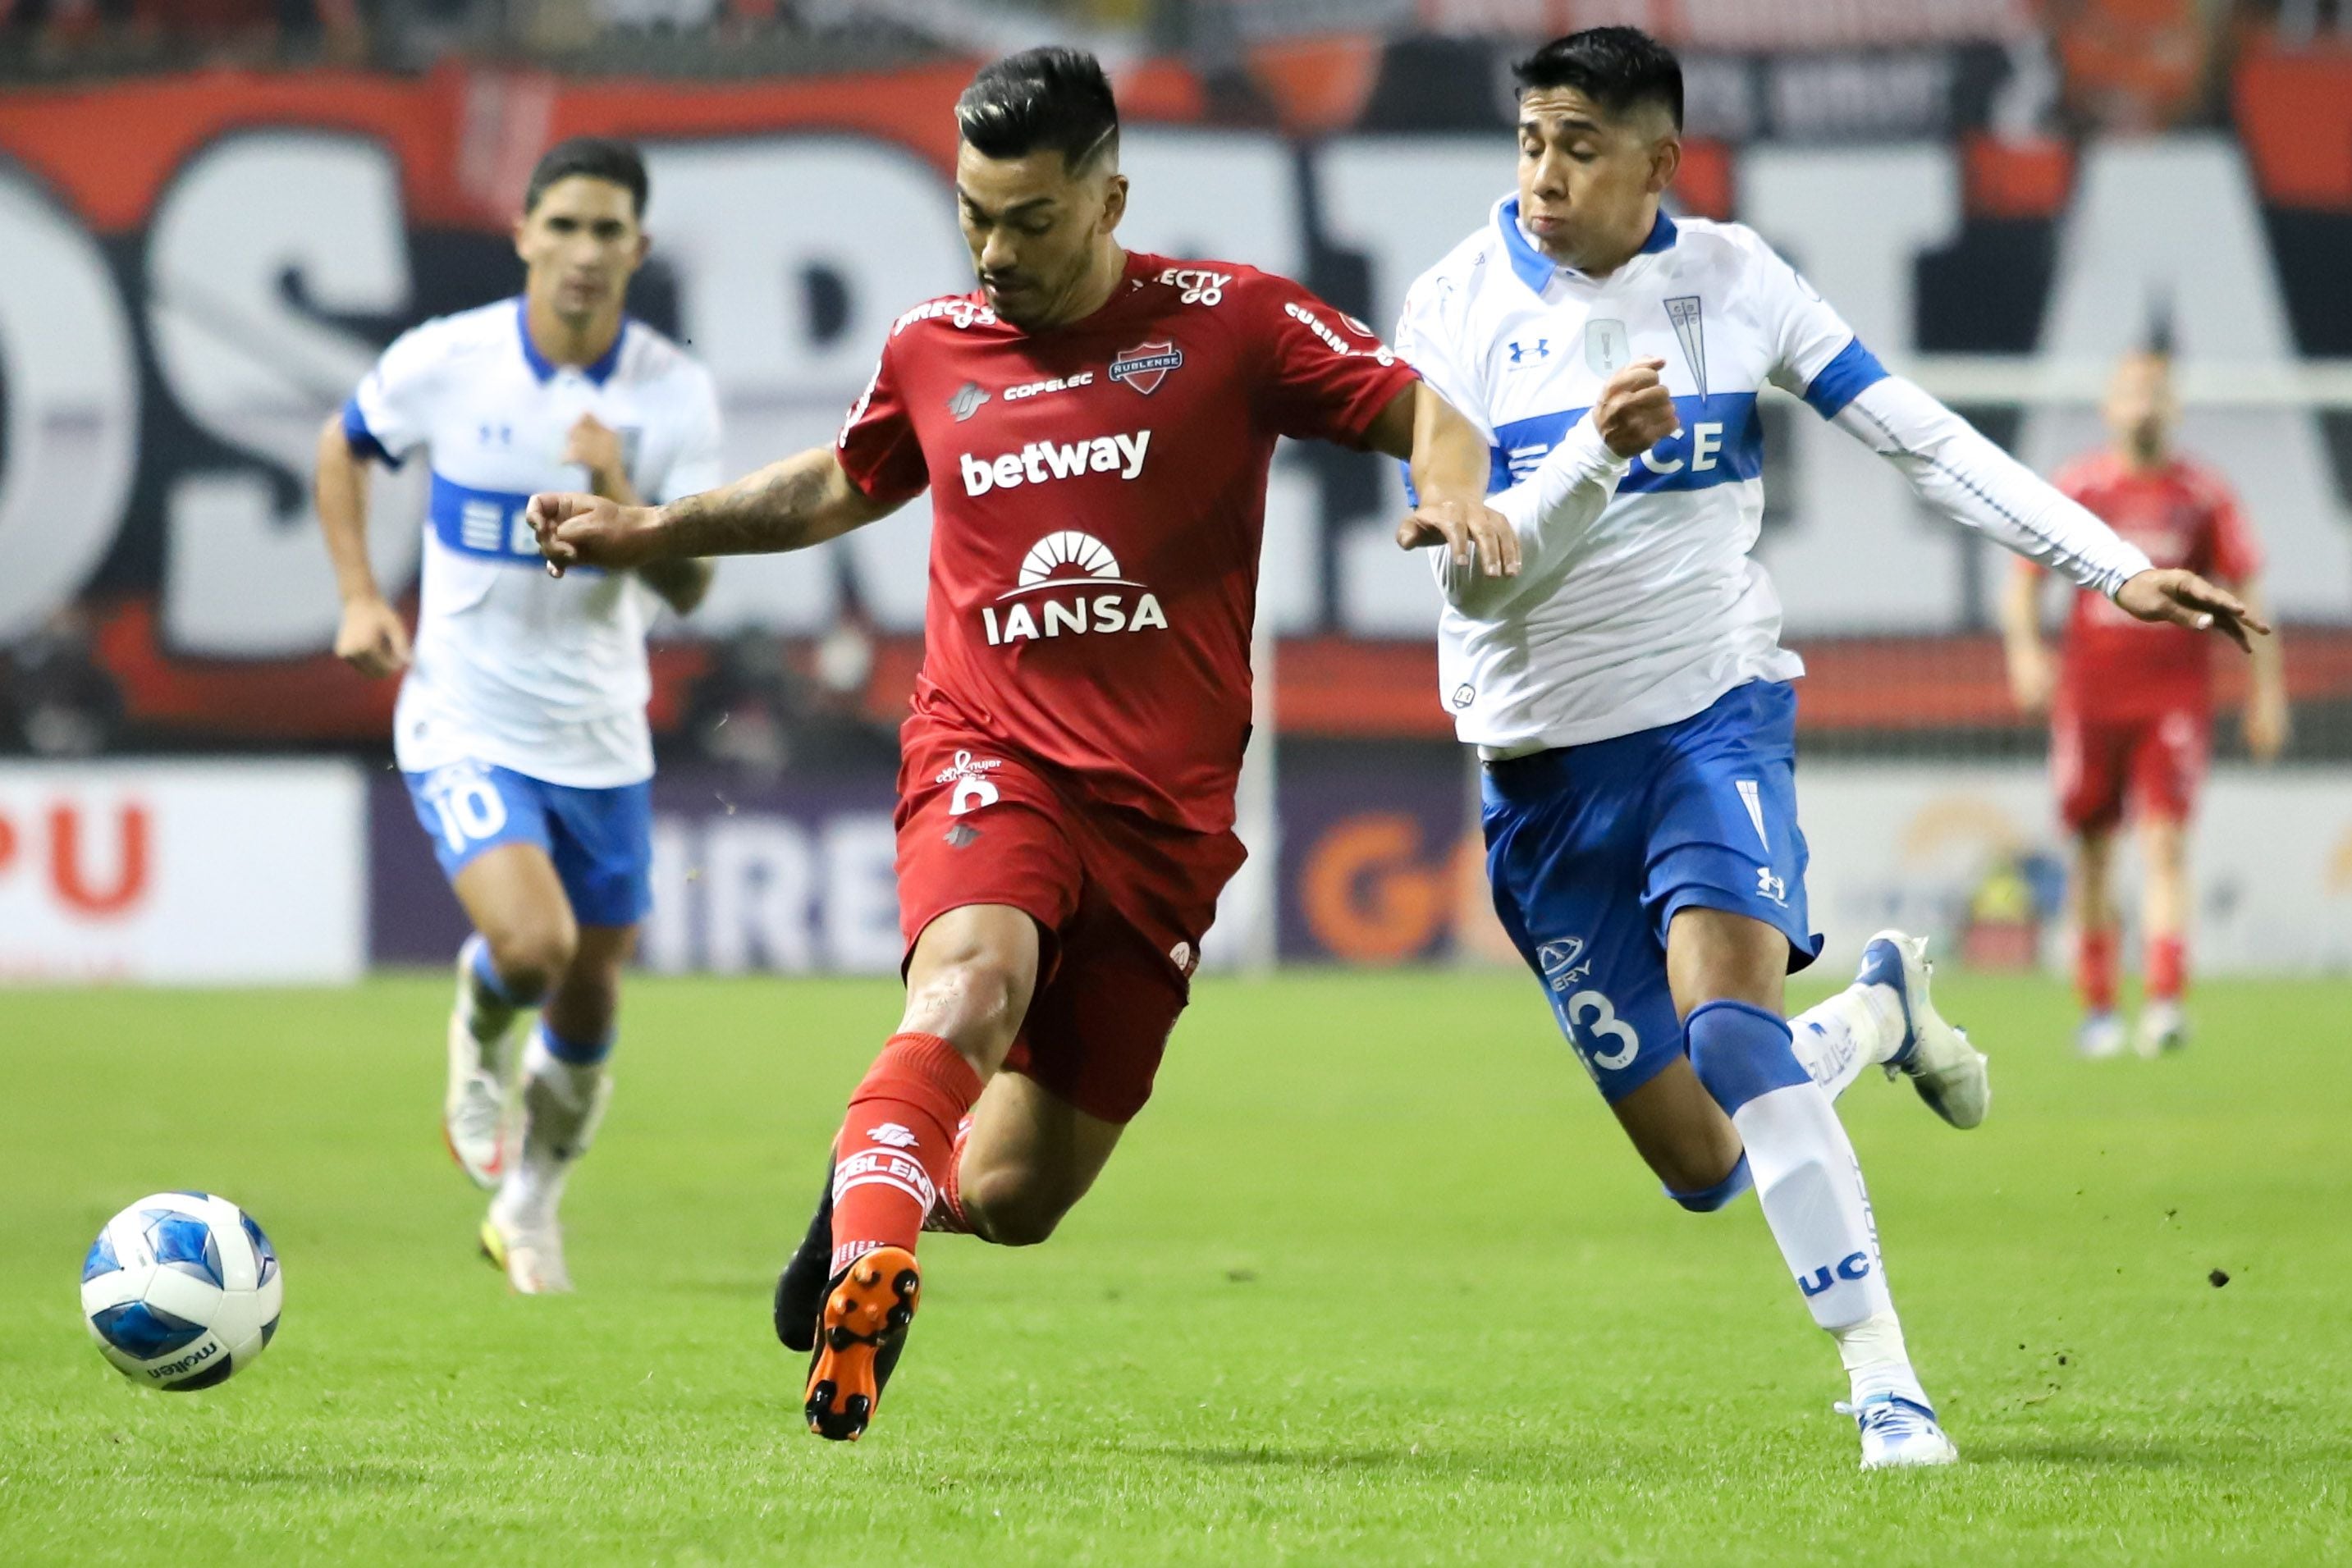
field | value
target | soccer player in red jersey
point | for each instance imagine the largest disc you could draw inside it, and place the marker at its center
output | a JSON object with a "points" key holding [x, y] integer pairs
{"points": [[2131, 703], [1094, 426]]}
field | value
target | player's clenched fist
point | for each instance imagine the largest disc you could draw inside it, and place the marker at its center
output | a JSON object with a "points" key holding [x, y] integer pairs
{"points": [[573, 530], [372, 639], [1635, 411]]}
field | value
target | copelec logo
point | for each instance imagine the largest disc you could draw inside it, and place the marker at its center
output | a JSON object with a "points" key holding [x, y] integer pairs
{"points": [[966, 402]]}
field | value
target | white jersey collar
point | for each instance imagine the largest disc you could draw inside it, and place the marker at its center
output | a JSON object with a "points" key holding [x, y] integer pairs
{"points": [[1536, 269]]}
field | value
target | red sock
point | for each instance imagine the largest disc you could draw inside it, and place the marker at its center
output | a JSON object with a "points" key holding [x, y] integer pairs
{"points": [[2095, 969], [947, 1215], [2167, 969], [897, 1145]]}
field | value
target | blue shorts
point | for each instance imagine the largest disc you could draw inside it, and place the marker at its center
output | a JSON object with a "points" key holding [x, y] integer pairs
{"points": [[599, 840], [1592, 849]]}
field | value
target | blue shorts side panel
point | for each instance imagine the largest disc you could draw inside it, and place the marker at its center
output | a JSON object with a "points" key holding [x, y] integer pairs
{"points": [[1723, 819], [600, 841]]}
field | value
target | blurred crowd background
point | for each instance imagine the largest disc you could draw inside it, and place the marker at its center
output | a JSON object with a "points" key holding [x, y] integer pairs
{"points": [[216, 211]]}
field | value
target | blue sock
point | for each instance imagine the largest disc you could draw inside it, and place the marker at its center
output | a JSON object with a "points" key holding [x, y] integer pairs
{"points": [[575, 1052], [1739, 1051]]}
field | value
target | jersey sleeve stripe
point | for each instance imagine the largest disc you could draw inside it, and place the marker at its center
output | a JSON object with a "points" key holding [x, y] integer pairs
{"points": [[1843, 378], [361, 439]]}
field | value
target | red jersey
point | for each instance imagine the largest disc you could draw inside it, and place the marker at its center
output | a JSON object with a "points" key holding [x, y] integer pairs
{"points": [[1098, 500], [2182, 514]]}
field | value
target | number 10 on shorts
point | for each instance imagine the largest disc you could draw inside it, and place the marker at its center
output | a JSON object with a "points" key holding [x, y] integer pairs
{"points": [[466, 804]]}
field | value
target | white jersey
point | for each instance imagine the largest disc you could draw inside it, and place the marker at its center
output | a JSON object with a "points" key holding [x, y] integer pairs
{"points": [[1638, 604], [514, 668]]}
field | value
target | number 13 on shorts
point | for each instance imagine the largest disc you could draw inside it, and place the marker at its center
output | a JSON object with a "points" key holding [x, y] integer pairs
{"points": [[1603, 1041]]}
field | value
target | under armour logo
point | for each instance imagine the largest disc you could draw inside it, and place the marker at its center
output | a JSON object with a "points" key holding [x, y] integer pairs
{"points": [[892, 1134], [1541, 350], [1772, 887]]}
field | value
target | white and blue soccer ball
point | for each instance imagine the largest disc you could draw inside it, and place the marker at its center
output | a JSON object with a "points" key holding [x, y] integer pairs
{"points": [[181, 1291]]}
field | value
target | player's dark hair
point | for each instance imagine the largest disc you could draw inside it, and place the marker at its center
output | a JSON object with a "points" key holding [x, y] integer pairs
{"points": [[1049, 99], [1619, 69], [598, 158]]}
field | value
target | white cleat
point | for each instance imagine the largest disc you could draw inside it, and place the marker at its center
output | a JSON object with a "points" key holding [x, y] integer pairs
{"points": [[2101, 1037], [1949, 1073], [476, 1120], [2163, 1028], [1899, 1433], [532, 1257]]}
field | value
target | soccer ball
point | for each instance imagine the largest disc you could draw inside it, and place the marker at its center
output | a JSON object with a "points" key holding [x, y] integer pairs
{"points": [[180, 1290]]}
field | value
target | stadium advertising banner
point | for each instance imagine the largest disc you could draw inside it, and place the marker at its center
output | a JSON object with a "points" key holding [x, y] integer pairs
{"points": [[182, 874], [183, 307]]}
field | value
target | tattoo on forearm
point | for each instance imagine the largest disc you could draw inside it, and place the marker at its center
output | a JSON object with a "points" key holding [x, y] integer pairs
{"points": [[766, 512]]}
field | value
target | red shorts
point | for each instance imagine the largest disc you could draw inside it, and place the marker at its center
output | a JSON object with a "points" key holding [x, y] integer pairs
{"points": [[2157, 760], [1120, 902]]}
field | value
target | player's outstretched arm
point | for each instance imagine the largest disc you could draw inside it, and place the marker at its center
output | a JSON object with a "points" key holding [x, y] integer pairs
{"points": [[1967, 479], [371, 637], [802, 501]]}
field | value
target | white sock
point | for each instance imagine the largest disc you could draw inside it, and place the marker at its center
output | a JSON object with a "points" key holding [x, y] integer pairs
{"points": [[1810, 1186], [1860, 1026], [561, 1105], [1876, 1363]]}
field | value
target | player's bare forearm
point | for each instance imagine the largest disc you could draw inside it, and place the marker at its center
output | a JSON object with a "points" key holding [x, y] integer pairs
{"points": [[802, 501], [1450, 458], [683, 584], [1450, 466], [369, 637], [338, 489]]}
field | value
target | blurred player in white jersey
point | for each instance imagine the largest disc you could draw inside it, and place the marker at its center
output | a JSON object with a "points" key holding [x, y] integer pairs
{"points": [[522, 722], [1629, 693]]}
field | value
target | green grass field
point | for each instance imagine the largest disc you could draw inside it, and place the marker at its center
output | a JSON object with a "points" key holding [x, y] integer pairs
{"points": [[1373, 1280]]}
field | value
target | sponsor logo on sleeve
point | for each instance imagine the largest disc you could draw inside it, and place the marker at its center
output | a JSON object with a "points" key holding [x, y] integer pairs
{"points": [[1331, 339]]}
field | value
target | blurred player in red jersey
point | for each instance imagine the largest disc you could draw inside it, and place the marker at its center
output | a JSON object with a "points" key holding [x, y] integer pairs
{"points": [[1094, 426], [2131, 704]]}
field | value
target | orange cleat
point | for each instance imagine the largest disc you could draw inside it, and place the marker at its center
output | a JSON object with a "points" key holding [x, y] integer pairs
{"points": [[863, 1329]]}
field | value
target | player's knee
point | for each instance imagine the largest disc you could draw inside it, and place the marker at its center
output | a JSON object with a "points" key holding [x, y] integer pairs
{"points": [[973, 1001], [1708, 1198], [1013, 1208], [1740, 1050], [531, 958]]}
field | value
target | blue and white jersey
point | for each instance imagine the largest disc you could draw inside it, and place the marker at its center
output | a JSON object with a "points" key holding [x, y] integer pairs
{"points": [[1659, 609], [543, 675]]}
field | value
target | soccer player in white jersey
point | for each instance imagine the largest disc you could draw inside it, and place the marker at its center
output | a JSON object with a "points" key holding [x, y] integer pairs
{"points": [[1629, 693], [521, 721]]}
